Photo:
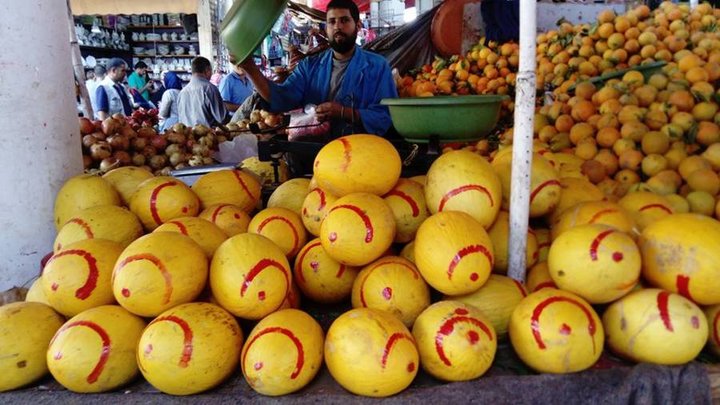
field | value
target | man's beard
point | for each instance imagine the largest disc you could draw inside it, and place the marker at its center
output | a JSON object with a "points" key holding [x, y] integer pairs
{"points": [[345, 44]]}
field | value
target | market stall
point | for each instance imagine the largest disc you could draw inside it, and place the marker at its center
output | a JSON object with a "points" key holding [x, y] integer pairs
{"points": [[539, 225]]}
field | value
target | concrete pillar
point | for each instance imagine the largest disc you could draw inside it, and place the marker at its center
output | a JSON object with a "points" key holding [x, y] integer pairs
{"points": [[205, 35], [41, 138]]}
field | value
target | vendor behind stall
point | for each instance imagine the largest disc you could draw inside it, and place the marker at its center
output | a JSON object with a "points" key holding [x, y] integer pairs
{"points": [[346, 83]]}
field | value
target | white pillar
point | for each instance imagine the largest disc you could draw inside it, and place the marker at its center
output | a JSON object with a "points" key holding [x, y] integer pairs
{"points": [[522, 143], [41, 138], [693, 4], [204, 19]]}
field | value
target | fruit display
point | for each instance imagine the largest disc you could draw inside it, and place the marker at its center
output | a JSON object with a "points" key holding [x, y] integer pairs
{"points": [[211, 282], [214, 252], [133, 141]]}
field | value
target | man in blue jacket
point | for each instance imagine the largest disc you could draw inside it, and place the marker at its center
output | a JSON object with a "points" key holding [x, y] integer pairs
{"points": [[345, 82]]}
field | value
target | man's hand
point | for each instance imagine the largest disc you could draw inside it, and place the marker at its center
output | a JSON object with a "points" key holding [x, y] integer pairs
{"points": [[328, 111]]}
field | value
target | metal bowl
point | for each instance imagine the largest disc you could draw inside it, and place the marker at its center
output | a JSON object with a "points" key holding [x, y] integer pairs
{"points": [[247, 23], [450, 118]]}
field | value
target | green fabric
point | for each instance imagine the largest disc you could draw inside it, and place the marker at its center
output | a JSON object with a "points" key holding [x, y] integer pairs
{"points": [[137, 82]]}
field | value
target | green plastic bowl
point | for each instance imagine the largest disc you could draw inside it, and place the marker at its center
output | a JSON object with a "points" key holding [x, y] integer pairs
{"points": [[450, 118], [247, 23]]}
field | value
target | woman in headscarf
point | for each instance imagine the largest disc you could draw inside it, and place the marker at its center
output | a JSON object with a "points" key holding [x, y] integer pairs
{"points": [[168, 104]]}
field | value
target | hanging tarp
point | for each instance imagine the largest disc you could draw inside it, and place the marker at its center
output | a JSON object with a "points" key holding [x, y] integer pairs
{"points": [[363, 5], [409, 46]]}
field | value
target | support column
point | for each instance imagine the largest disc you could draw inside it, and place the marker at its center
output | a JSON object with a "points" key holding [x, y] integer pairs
{"points": [[205, 35], [40, 141]]}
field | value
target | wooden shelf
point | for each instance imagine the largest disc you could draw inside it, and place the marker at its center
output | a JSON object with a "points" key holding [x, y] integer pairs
{"points": [[166, 42], [148, 27], [164, 56], [101, 49]]}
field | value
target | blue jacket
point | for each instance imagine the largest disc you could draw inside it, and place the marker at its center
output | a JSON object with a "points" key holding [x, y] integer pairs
{"points": [[367, 81]]}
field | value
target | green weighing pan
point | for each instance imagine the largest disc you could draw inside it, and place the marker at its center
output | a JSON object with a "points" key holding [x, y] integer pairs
{"points": [[450, 118], [247, 23]]}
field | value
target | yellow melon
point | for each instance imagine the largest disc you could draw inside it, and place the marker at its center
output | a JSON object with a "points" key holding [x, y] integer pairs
{"points": [[407, 202], [206, 234], [595, 212], [103, 222], [357, 164], [358, 229], [162, 199], [283, 353], [499, 233], [314, 209], [25, 332], [464, 181], [293, 298], [575, 191], [555, 331], [713, 319], [539, 277], [80, 192], [229, 218], [394, 285], [375, 345], [408, 252], [655, 326], [159, 271], [250, 276], [235, 187], [456, 341], [597, 262], [290, 195], [646, 207], [95, 350], [78, 277], [36, 292], [420, 179], [320, 277], [126, 179], [454, 253], [190, 348], [497, 299], [543, 240], [545, 187], [680, 254], [282, 226]]}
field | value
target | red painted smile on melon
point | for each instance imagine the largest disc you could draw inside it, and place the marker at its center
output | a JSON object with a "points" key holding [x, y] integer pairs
{"points": [[449, 326], [369, 230], [408, 199], [394, 338], [187, 337], [157, 263], [153, 201], [269, 219], [104, 353], [287, 332], [471, 187], [93, 273], [535, 319]]}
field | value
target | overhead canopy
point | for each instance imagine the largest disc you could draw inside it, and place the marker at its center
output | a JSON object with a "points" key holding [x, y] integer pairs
{"points": [[80, 7], [363, 5]]}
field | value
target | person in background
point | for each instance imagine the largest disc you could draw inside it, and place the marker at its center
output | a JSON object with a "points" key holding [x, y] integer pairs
{"points": [[111, 96], [235, 88], [217, 77], [169, 102], [92, 86], [345, 82], [200, 101], [138, 80], [502, 20]]}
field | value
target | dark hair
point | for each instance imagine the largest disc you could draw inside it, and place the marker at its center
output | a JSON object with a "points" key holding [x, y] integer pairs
{"points": [[100, 70], [141, 65], [200, 65], [347, 5], [115, 63]]}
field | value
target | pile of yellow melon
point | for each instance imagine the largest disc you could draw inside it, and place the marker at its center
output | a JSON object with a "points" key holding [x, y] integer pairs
{"points": [[150, 276]]}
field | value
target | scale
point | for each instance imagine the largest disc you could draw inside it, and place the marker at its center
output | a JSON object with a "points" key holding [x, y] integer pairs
{"points": [[273, 145]]}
